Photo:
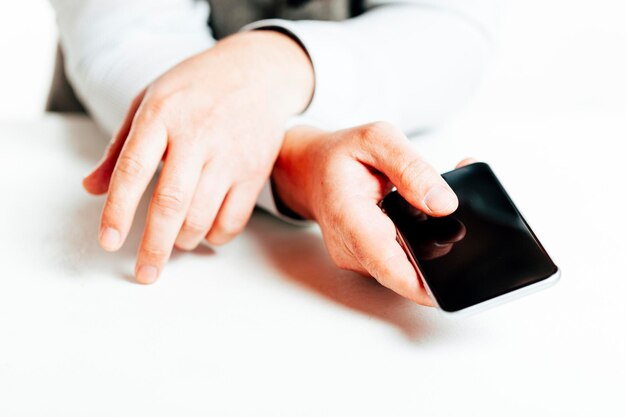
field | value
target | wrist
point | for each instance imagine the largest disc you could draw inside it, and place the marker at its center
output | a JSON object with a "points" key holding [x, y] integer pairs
{"points": [[293, 177], [280, 69]]}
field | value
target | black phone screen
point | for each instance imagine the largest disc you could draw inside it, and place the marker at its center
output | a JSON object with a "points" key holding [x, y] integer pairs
{"points": [[481, 251]]}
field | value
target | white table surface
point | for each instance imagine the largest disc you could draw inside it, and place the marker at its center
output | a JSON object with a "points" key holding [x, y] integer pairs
{"points": [[267, 325]]}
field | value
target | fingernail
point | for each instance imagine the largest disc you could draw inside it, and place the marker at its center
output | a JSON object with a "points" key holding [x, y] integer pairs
{"points": [[110, 239], [147, 274], [440, 199]]}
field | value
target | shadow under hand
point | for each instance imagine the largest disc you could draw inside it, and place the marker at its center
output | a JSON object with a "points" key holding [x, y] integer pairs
{"points": [[70, 234], [300, 255], [84, 138], [80, 253], [74, 243]]}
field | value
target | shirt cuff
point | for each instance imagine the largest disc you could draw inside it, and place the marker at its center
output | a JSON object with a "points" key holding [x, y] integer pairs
{"points": [[267, 202]]}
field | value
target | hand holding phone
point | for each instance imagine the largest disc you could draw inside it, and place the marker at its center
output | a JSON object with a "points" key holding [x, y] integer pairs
{"points": [[482, 254]]}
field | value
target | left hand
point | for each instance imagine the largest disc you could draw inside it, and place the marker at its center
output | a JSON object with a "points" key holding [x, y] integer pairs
{"points": [[216, 120]]}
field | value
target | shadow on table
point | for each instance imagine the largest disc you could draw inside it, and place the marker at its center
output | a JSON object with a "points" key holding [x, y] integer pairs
{"points": [[297, 253], [300, 254], [79, 253], [84, 138]]}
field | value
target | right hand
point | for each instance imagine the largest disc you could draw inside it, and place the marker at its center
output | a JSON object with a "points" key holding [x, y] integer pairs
{"points": [[337, 179]]}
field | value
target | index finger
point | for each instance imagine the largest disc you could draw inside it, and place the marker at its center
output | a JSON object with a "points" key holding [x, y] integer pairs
{"points": [[135, 167], [97, 182]]}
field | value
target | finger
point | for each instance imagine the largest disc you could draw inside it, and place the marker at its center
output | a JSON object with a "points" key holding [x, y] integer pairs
{"points": [[168, 207], [133, 171], [205, 205], [234, 213], [387, 149], [371, 236], [466, 161], [97, 182]]}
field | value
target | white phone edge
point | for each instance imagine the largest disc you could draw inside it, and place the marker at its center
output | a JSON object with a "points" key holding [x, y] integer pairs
{"points": [[487, 304]]}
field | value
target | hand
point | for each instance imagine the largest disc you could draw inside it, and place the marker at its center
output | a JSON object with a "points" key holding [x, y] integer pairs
{"points": [[216, 121], [338, 179]]}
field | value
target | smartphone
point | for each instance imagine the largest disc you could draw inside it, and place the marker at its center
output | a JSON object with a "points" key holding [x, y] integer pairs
{"points": [[483, 254]]}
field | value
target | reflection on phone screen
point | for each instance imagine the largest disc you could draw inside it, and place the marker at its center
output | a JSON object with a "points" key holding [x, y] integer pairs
{"points": [[483, 250]]}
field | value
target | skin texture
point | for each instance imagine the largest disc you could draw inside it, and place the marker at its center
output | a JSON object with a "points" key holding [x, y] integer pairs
{"points": [[338, 178], [216, 122]]}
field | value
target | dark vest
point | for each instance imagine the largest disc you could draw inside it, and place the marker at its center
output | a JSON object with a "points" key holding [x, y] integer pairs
{"points": [[227, 17]]}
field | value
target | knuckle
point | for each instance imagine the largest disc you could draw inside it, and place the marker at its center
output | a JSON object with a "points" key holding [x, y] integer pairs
{"points": [[366, 260], [154, 253], [112, 208], [382, 126], [375, 271], [382, 270], [151, 109], [194, 226], [371, 132], [231, 226], [158, 99], [185, 244], [412, 170], [130, 166], [347, 264], [169, 200]]}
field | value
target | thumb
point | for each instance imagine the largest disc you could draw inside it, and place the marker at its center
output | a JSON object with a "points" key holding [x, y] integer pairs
{"points": [[386, 148], [97, 182]]}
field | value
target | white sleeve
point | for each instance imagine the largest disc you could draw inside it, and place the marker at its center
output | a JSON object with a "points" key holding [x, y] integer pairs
{"points": [[115, 48], [412, 63]]}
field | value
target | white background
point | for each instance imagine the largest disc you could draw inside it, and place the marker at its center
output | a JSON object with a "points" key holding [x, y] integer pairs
{"points": [[282, 333], [27, 43]]}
